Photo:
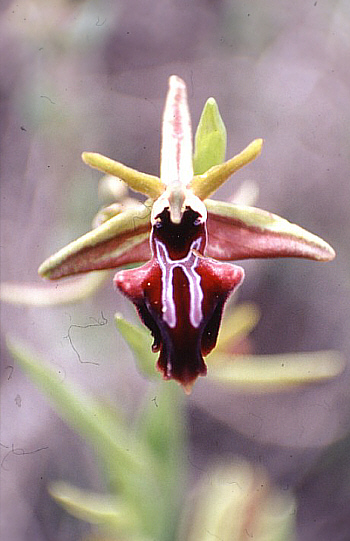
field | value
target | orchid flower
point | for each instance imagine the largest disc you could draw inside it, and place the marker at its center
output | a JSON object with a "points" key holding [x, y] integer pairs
{"points": [[181, 290]]}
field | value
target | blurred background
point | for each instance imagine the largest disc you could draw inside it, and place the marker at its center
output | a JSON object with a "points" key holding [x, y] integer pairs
{"points": [[92, 75]]}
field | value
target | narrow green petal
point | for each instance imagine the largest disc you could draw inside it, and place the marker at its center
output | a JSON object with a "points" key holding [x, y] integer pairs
{"points": [[119, 241], [241, 232], [107, 511], [140, 342], [149, 185], [52, 295], [207, 183], [275, 372], [210, 139]]}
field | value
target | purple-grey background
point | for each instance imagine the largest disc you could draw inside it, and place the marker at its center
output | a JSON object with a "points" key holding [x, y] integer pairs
{"points": [[93, 76]]}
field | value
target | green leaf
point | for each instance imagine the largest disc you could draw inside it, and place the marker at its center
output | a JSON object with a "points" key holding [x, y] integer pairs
{"points": [[108, 511], [210, 139], [140, 341], [241, 232], [274, 372]]}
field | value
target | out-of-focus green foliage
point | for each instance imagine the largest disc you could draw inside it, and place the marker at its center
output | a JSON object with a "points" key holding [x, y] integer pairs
{"points": [[145, 471], [237, 502], [142, 465]]}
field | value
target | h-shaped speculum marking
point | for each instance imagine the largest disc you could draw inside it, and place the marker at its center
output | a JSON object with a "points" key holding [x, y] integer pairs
{"points": [[188, 266]]}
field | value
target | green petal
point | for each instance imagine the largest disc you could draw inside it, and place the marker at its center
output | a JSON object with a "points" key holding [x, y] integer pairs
{"points": [[52, 295], [122, 240], [207, 183], [100, 509], [241, 232], [149, 185], [274, 372], [210, 139]]}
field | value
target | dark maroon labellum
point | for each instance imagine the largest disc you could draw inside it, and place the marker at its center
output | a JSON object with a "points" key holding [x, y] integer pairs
{"points": [[180, 295]]}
